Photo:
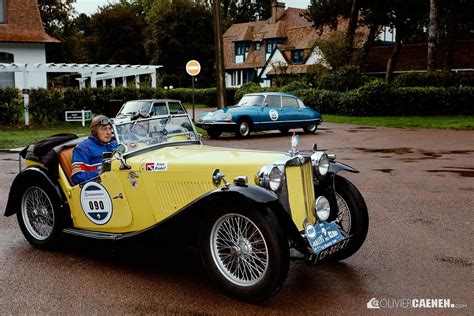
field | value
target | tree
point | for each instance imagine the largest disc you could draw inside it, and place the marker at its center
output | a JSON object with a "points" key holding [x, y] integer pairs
{"points": [[329, 13], [432, 36], [406, 17], [240, 11], [117, 36], [179, 31], [57, 17]]}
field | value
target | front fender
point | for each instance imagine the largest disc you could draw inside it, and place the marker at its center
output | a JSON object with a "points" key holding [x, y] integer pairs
{"points": [[27, 176], [335, 167], [189, 217]]}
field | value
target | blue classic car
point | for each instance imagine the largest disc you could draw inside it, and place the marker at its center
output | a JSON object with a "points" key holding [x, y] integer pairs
{"points": [[261, 111]]}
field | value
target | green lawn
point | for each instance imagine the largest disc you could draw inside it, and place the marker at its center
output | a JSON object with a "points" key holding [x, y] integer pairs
{"points": [[14, 137], [441, 122]]}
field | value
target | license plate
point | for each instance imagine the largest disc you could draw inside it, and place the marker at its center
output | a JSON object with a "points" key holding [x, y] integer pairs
{"points": [[326, 239], [332, 249]]}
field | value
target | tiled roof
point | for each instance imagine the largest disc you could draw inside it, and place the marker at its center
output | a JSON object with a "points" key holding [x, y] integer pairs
{"points": [[413, 57], [293, 69], [292, 27], [23, 23]]}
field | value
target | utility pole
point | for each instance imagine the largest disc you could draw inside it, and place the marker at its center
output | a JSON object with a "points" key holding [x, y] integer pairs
{"points": [[220, 71]]}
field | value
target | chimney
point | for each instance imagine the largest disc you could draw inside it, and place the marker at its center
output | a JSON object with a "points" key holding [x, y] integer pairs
{"points": [[278, 9]]}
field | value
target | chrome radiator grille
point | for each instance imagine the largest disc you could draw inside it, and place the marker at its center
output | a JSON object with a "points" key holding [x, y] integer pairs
{"points": [[299, 181]]}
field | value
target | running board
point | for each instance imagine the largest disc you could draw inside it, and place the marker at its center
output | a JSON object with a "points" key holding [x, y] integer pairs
{"points": [[91, 234]]}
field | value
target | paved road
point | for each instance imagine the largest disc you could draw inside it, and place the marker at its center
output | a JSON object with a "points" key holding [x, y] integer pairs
{"points": [[418, 185]]}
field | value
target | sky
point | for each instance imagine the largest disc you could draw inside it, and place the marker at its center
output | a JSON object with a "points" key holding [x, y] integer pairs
{"points": [[90, 6]]}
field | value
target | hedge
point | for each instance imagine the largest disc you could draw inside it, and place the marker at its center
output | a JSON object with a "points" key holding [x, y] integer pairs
{"points": [[375, 98], [49, 105], [10, 106]]}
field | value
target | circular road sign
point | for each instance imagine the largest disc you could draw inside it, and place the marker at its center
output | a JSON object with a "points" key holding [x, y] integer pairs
{"points": [[193, 68]]}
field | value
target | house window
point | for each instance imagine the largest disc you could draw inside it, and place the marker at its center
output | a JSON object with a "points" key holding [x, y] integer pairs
{"points": [[2, 11], [241, 51], [7, 79], [272, 44], [297, 56], [257, 46]]}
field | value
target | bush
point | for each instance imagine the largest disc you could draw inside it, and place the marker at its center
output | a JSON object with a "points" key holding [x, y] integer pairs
{"points": [[370, 99], [201, 96], [343, 79], [249, 87], [294, 86], [10, 106], [373, 98], [431, 79]]}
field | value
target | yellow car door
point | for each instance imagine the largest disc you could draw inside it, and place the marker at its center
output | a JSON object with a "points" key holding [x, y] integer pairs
{"points": [[101, 205]]}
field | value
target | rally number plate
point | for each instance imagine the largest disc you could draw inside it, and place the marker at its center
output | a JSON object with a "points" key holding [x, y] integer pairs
{"points": [[326, 239]]}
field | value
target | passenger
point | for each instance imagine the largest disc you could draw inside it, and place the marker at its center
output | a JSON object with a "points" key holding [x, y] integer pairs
{"points": [[87, 156]]}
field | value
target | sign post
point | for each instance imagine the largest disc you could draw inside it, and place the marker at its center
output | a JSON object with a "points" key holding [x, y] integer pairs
{"points": [[193, 68], [78, 116]]}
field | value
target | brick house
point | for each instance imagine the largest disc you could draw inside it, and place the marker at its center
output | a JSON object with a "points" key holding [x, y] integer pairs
{"points": [[22, 40]]}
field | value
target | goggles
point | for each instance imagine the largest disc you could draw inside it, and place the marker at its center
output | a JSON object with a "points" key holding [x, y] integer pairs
{"points": [[104, 122]]}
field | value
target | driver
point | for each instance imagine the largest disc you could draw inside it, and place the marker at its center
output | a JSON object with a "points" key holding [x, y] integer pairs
{"points": [[87, 156]]}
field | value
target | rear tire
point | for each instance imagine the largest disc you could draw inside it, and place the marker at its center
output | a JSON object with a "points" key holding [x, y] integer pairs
{"points": [[214, 133], [352, 217], [39, 216], [243, 128], [244, 251]]}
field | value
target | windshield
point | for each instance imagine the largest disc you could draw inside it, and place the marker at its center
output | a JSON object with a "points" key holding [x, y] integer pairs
{"points": [[149, 132], [251, 100], [135, 107]]}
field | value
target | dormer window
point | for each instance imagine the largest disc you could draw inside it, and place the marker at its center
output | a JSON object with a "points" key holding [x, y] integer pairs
{"points": [[297, 56], [2, 11], [272, 44], [241, 51]]}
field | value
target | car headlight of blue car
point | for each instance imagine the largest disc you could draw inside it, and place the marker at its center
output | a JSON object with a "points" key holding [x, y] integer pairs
{"points": [[212, 116]]}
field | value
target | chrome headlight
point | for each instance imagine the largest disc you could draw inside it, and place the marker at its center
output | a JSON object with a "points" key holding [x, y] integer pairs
{"points": [[269, 177], [320, 162], [322, 208]]}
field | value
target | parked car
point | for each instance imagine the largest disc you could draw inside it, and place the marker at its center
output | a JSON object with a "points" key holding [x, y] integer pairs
{"points": [[148, 108], [261, 111], [244, 209]]}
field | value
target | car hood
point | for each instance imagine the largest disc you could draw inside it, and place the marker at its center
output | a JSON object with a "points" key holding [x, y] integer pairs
{"points": [[197, 159], [230, 109]]}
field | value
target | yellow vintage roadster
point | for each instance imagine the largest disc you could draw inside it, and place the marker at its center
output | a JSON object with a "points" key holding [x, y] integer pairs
{"points": [[245, 209]]}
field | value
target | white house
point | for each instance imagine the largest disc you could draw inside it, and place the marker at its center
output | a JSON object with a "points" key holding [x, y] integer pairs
{"points": [[22, 40]]}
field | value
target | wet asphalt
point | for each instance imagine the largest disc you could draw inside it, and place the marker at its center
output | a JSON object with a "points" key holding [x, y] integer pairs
{"points": [[419, 188]]}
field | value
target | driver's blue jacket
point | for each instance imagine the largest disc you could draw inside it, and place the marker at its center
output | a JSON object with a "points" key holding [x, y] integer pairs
{"points": [[87, 158]]}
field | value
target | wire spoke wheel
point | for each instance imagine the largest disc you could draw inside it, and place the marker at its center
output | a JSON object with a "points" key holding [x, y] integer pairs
{"points": [[239, 249], [343, 215], [37, 213]]}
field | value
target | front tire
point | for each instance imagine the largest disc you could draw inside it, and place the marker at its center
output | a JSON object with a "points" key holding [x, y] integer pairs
{"points": [[352, 216], [243, 128], [214, 133], [310, 129], [38, 216], [244, 252]]}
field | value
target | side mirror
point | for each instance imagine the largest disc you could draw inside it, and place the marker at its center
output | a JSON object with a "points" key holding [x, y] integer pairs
{"points": [[106, 161]]}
